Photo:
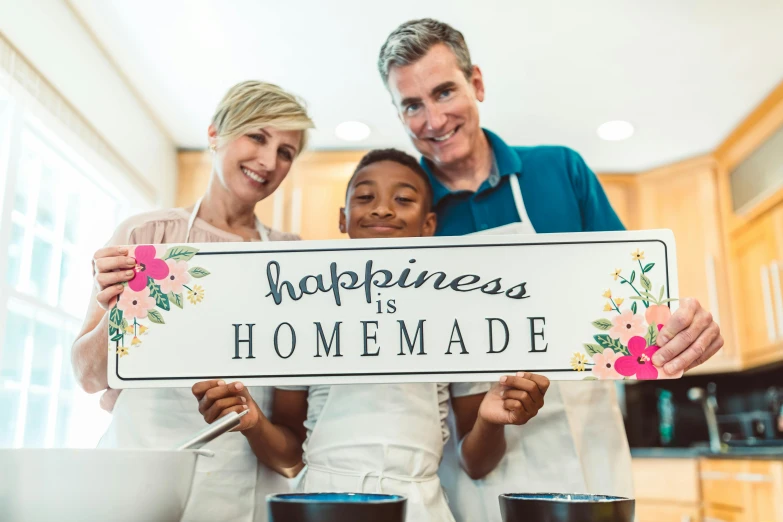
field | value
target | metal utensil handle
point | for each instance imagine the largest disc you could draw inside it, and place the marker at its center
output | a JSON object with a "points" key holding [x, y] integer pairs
{"points": [[213, 431]]}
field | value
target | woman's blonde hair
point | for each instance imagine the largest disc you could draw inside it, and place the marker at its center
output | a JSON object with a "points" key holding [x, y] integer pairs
{"points": [[251, 105]]}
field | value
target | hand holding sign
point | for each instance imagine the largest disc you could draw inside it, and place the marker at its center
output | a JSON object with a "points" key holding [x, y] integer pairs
{"points": [[515, 399], [216, 399]]}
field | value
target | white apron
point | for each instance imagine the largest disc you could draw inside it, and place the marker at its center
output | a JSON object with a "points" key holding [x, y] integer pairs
{"points": [[231, 486], [394, 446], [576, 443]]}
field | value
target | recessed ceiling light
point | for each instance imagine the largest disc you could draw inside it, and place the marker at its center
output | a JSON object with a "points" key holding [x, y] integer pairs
{"points": [[352, 131], [616, 130]]}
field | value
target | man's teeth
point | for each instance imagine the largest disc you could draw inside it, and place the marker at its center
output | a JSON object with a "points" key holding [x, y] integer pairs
{"points": [[255, 177], [445, 136]]}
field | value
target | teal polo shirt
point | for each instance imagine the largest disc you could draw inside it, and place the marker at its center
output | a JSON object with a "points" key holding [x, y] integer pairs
{"points": [[560, 192]]}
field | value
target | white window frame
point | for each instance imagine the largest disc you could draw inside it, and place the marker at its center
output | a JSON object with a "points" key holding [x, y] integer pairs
{"points": [[60, 145]]}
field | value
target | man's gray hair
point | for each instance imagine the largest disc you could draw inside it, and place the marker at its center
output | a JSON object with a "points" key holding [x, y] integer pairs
{"points": [[412, 40]]}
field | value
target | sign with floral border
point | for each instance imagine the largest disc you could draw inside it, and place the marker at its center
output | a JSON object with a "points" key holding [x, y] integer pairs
{"points": [[584, 306]]}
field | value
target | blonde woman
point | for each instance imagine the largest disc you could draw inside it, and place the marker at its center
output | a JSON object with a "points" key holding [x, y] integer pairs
{"points": [[256, 133]]}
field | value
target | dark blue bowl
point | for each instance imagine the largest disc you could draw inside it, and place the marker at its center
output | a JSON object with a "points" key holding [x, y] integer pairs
{"points": [[335, 507], [556, 507]]}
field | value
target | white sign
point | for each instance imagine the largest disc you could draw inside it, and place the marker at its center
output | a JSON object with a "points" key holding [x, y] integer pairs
{"points": [[569, 306]]}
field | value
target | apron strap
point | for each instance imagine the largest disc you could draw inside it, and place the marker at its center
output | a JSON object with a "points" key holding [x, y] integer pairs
{"points": [[518, 201]]}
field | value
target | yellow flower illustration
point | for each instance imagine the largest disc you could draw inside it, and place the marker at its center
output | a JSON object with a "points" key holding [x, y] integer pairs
{"points": [[129, 329], [607, 307], [618, 301], [122, 351], [135, 341], [616, 273], [608, 294], [578, 361], [142, 329], [196, 295], [638, 255]]}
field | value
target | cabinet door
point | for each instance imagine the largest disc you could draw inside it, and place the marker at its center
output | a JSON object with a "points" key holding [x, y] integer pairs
{"points": [[685, 200], [757, 277], [666, 512]]}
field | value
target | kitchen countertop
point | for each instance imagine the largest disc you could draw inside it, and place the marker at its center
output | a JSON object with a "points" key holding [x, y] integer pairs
{"points": [[752, 453]]}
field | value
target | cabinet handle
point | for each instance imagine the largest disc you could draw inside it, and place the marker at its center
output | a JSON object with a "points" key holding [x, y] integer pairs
{"points": [[774, 269], [712, 287], [765, 290], [752, 477]]}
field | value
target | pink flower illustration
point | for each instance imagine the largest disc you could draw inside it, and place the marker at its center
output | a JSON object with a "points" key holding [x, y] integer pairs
{"points": [[147, 265], [604, 364], [135, 305], [639, 363], [657, 315], [178, 276], [627, 325]]}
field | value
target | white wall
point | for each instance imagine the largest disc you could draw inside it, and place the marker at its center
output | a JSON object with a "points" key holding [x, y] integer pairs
{"points": [[53, 39]]}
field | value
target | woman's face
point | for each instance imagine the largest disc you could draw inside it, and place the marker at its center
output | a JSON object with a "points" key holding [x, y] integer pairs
{"points": [[253, 166]]}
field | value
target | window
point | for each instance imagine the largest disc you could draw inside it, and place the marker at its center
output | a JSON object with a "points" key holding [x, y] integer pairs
{"points": [[55, 213]]}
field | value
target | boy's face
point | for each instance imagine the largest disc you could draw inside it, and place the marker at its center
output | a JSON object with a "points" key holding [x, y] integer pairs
{"points": [[387, 199]]}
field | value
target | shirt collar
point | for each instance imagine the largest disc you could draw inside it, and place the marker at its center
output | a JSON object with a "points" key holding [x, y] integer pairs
{"points": [[506, 161]]}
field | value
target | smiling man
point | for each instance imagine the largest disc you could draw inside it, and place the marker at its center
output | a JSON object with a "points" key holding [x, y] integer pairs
{"points": [[577, 442]]}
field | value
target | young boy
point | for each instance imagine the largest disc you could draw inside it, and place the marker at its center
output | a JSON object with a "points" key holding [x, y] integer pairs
{"points": [[384, 437]]}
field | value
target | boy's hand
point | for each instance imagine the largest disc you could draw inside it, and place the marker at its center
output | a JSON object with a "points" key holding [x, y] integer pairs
{"points": [[515, 399], [216, 399]]}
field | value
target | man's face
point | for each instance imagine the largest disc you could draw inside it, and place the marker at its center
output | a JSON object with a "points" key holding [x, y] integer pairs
{"points": [[438, 106]]}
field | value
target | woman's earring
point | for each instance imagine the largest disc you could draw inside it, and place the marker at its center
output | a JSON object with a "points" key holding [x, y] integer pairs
{"points": [[212, 148]]}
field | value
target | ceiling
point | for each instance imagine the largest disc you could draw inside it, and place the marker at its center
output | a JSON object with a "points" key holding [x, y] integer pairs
{"points": [[683, 73]]}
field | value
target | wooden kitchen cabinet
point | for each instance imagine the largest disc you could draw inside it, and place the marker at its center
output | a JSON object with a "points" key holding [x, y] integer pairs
{"points": [[667, 490], [663, 512], [742, 490], [685, 199], [757, 252], [622, 192]]}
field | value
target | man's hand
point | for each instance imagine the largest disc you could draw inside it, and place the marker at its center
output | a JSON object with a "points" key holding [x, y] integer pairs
{"points": [[688, 338]]}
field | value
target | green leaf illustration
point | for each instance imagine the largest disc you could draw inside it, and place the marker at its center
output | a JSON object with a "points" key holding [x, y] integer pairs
{"points": [[198, 272], [633, 307], [117, 337], [607, 342], [633, 276], [593, 349], [180, 253], [590, 379], [652, 335], [623, 282], [155, 317], [176, 299], [647, 267], [124, 324], [115, 320], [602, 324], [161, 300], [646, 283], [660, 296], [668, 301], [638, 298]]}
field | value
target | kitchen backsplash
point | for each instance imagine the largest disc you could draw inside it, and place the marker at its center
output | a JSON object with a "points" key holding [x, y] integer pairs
{"points": [[659, 413]]}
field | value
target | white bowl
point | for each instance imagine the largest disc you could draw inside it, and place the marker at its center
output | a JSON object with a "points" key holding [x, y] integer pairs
{"points": [[94, 484]]}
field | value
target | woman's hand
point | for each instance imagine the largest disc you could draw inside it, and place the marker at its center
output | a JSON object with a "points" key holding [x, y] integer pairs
{"points": [[515, 399], [112, 267], [216, 399]]}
